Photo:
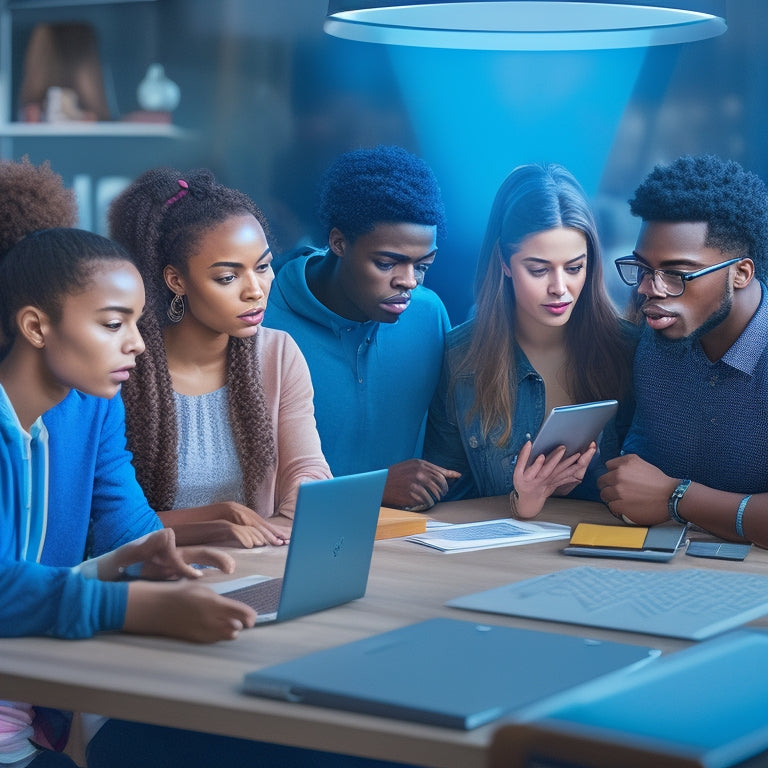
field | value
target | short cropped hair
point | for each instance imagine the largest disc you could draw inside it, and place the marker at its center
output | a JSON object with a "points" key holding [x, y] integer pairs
{"points": [[367, 187], [732, 201]]}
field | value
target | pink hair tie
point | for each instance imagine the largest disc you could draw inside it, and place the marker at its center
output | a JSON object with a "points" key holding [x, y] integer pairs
{"points": [[183, 191]]}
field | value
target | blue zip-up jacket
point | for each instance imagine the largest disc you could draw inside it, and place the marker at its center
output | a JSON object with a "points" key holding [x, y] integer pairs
{"points": [[67, 490]]}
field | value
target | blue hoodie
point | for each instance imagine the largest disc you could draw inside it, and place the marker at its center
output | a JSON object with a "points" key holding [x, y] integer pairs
{"points": [[373, 381]]}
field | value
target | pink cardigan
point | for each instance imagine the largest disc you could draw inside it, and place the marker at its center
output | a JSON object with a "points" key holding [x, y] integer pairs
{"points": [[289, 396]]}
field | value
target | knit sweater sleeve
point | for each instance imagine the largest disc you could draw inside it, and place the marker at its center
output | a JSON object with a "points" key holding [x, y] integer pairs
{"points": [[289, 390]]}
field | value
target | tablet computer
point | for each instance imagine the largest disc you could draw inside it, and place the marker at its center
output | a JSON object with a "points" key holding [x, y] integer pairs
{"points": [[574, 426], [656, 555]]}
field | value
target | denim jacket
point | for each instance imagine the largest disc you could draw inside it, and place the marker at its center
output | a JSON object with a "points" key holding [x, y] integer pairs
{"points": [[487, 468]]}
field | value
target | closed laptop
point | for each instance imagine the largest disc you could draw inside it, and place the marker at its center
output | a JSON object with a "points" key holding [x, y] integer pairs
{"points": [[458, 674]]}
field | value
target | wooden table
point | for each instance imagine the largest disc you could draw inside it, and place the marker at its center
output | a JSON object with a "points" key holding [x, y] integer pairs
{"points": [[179, 684]]}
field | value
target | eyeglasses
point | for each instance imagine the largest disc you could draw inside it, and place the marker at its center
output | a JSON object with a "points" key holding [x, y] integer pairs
{"points": [[672, 282]]}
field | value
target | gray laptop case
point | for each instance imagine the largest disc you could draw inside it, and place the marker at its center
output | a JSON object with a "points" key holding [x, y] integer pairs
{"points": [[458, 674], [330, 551]]}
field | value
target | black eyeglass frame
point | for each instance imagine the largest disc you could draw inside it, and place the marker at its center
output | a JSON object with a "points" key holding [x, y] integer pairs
{"points": [[644, 270]]}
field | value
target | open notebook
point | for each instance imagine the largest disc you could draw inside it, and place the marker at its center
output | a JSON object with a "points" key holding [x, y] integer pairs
{"points": [[487, 534]]}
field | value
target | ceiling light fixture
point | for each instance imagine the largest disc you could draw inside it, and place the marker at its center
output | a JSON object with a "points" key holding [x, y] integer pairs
{"points": [[527, 25]]}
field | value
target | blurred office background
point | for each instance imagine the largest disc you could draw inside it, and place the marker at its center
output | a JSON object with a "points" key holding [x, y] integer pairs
{"points": [[268, 100]]}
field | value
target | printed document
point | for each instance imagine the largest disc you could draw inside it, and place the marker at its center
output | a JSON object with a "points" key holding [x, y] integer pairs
{"points": [[465, 537]]}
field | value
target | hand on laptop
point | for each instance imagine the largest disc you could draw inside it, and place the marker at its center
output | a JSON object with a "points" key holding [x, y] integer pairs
{"points": [[185, 610], [416, 484], [156, 556]]}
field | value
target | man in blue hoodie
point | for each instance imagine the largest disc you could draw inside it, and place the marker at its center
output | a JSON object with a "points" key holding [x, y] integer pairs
{"points": [[372, 334]]}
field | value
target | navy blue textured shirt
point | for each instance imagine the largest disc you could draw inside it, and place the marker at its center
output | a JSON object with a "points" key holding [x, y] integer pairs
{"points": [[705, 420]]}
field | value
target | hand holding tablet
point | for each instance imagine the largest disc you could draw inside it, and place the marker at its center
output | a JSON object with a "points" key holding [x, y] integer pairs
{"points": [[574, 426]]}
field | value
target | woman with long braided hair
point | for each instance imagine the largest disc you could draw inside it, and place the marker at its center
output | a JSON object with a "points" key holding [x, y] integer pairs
{"points": [[219, 410]]}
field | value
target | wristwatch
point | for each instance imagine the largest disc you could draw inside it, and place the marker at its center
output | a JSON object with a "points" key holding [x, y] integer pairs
{"points": [[674, 500], [514, 497]]}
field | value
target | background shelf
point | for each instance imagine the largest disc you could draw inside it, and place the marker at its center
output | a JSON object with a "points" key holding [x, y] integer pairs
{"points": [[86, 129]]}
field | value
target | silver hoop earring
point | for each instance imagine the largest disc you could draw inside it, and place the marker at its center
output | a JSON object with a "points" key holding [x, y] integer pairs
{"points": [[176, 308]]}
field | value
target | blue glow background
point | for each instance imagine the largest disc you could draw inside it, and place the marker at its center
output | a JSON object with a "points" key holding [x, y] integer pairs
{"points": [[272, 99], [478, 115]]}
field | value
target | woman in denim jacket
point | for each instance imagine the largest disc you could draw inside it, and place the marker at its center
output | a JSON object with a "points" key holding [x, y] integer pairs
{"points": [[544, 334]]}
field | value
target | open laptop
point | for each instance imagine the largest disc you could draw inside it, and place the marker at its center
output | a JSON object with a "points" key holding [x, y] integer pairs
{"points": [[329, 554]]}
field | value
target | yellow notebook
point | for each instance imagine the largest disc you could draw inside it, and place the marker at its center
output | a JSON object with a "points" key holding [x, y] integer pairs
{"points": [[624, 537], [397, 522]]}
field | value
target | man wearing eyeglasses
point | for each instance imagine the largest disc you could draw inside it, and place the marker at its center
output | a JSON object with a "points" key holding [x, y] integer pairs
{"points": [[698, 449]]}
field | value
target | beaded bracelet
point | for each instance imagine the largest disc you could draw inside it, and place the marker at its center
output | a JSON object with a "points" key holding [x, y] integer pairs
{"points": [[740, 515], [674, 500]]}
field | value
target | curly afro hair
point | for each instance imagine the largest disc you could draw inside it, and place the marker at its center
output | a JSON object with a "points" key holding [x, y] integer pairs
{"points": [[732, 201], [32, 198], [366, 187]]}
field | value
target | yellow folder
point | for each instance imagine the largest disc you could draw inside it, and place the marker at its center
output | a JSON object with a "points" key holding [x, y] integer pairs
{"points": [[623, 537], [398, 522]]}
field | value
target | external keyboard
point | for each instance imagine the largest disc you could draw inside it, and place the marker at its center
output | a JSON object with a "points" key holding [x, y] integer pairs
{"points": [[693, 603], [696, 592]]}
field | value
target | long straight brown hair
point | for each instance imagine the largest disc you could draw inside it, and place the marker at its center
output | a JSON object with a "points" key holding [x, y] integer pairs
{"points": [[535, 198]]}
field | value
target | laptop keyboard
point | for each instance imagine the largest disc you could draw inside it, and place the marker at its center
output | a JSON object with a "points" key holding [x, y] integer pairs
{"points": [[693, 603], [697, 592], [263, 596]]}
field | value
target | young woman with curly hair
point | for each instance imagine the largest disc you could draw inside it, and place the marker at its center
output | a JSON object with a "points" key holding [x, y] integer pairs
{"points": [[69, 302], [219, 410], [544, 334]]}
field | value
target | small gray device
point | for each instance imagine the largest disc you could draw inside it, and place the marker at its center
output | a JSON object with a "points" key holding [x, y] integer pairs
{"points": [[574, 426]]}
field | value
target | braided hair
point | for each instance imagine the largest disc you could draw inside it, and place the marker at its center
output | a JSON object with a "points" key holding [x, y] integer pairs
{"points": [[160, 219]]}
